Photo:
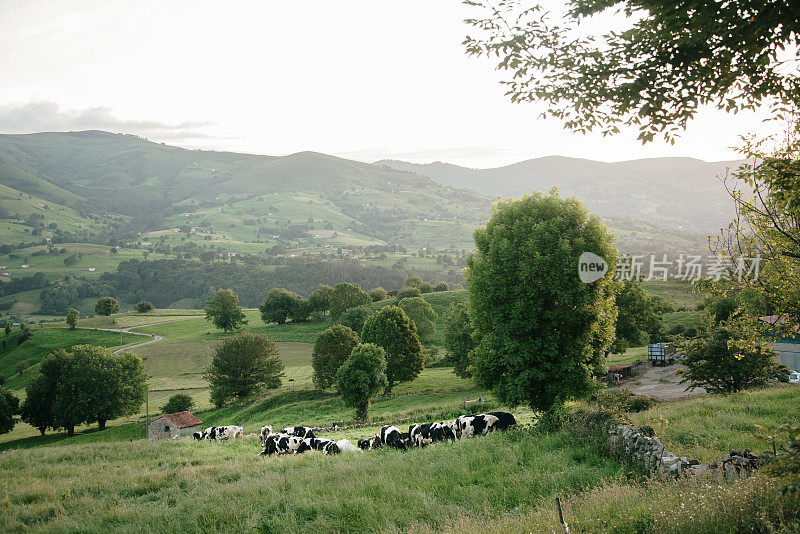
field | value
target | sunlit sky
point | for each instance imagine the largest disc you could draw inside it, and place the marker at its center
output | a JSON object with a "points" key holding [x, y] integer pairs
{"points": [[364, 80]]}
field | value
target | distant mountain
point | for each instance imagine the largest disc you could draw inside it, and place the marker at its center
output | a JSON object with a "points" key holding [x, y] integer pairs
{"points": [[676, 193], [149, 184]]}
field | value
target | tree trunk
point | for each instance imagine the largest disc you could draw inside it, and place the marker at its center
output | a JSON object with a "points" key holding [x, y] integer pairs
{"points": [[101, 423], [42, 430], [362, 411], [70, 431], [387, 391]]}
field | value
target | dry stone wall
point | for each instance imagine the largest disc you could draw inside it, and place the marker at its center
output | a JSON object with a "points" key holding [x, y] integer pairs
{"points": [[648, 452]]}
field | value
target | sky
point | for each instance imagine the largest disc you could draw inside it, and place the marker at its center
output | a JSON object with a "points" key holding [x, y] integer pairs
{"points": [[364, 80]]}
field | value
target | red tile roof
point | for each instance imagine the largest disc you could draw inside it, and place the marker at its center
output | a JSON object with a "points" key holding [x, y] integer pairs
{"points": [[182, 419]]}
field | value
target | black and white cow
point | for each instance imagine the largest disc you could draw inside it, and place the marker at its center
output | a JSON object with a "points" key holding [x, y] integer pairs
{"points": [[218, 433], [345, 446], [299, 431], [476, 425], [327, 446], [390, 435], [281, 444], [368, 444], [427, 433], [266, 430], [505, 420]]}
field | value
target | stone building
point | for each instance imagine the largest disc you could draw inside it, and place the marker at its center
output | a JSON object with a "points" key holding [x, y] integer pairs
{"points": [[173, 425]]}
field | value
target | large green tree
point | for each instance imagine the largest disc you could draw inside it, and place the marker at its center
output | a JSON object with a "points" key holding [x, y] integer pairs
{"points": [[331, 349], [542, 329], [346, 296], [279, 305], [638, 321], [72, 318], [106, 306], [242, 365], [179, 402], [223, 310], [665, 61], [9, 407], [458, 338], [320, 300], [392, 330], [421, 312], [361, 377]]}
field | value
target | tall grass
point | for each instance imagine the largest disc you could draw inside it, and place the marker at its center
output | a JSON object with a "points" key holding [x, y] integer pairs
{"points": [[187, 486]]}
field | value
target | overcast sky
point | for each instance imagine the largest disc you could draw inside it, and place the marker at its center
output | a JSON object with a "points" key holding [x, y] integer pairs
{"points": [[359, 79]]}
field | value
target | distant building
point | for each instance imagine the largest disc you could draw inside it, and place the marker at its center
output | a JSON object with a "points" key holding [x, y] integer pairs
{"points": [[172, 425], [25, 266], [92, 269]]}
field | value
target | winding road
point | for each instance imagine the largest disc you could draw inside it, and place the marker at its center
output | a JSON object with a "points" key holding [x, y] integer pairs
{"points": [[154, 337]]}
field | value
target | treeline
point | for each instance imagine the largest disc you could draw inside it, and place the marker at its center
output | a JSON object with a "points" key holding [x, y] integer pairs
{"points": [[163, 282]]}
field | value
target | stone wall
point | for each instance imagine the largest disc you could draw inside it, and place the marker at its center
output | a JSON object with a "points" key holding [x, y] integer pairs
{"points": [[648, 451]]}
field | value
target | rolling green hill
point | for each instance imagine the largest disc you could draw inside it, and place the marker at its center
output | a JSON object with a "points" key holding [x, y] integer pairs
{"points": [[675, 193]]}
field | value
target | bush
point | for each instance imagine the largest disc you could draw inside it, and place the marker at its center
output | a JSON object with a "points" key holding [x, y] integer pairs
{"points": [[21, 366], [728, 360], [143, 306], [179, 402], [623, 401], [355, 318], [442, 286], [72, 318], [361, 377], [331, 349]]}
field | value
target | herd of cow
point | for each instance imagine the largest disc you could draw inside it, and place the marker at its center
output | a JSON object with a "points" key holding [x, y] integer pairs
{"points": [[299, 439]]}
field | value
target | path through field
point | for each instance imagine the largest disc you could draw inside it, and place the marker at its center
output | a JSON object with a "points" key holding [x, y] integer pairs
{"points": [[155, 337]]}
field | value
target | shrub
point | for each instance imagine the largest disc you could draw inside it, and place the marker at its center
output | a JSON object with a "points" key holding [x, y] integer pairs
{"points": [[331, 349], [179, 402], [623, 401], [409, 292], [21, 366], [727, 360]]}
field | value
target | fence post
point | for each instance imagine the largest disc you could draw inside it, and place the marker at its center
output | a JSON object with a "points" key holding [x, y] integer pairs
{"points": [[564, 527]]}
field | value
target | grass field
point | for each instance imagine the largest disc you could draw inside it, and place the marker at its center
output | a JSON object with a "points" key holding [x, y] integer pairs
{"points": [[46, 340], [707, 427]]}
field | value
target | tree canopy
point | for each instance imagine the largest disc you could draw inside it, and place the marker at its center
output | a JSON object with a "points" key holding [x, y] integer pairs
{"points": [[331, 349], [421, 312], [361, 377], [9, 406], [668, 60], [106, 306], [242, 365], [542, 329], [458, 338], [223, 310], [346, 296], [392, 330], [638, 321], [72, 318], [179, 402], [279, 305]]}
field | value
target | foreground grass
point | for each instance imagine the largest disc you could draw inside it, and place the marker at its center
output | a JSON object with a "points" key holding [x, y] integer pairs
{"points": [[707, 427], [182, 485]]}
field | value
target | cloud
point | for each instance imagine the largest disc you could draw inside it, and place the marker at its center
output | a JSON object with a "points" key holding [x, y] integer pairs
{"points": [[50, 117]]}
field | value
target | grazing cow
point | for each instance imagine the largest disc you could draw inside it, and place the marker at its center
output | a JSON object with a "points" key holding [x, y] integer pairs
{"points": [[345, 446], [476, 425], [327, 446], [299, 431], [218, 433], [504, 420], [405, 437], [390, 435], [281, 444], [266, 430], [425, 434], [370, 443]]}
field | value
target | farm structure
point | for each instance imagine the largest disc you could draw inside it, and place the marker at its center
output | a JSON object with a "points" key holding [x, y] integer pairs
{"points": [[173, 425]]}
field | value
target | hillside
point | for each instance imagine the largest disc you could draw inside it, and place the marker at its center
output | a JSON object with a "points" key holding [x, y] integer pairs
{"points": [[676, 193]]}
